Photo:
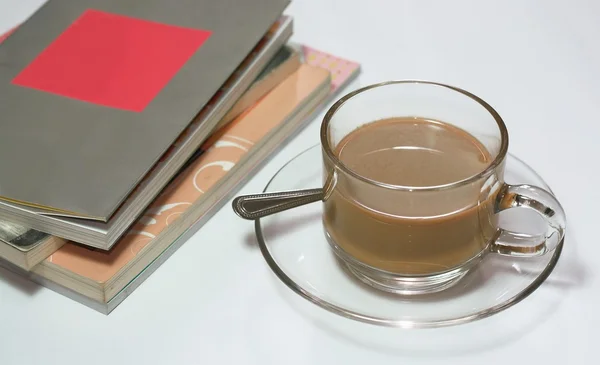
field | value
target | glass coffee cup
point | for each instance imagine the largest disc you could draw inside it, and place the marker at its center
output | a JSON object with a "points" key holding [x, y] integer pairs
{"points": [[416, 239]]}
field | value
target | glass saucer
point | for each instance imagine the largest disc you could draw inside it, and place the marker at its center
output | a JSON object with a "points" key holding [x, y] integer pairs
{"points": [[294, 245]]}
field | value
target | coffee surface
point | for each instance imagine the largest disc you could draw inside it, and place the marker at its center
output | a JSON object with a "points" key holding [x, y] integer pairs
{"points": [[411, 232], [412, 152]]}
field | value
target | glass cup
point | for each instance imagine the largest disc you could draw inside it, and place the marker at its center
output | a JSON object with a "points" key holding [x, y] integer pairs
{"points": [[417, 239]]}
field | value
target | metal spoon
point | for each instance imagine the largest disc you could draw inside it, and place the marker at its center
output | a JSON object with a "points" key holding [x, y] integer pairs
{"points": [[255, 206]]}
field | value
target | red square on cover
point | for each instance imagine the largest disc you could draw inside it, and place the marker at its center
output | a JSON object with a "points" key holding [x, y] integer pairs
{"points": [[112, 60]]}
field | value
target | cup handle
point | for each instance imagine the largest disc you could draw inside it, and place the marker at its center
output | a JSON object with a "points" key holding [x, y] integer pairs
{"points": [[546, 205]]}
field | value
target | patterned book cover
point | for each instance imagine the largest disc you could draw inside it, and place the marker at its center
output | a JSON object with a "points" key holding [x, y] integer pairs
{"points": [[341, 69]]}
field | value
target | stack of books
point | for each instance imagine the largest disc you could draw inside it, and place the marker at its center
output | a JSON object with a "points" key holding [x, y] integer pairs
{"points": [[126, 125]]}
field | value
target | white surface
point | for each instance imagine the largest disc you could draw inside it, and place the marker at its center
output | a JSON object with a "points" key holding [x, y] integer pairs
{"points": [[215, 301]]}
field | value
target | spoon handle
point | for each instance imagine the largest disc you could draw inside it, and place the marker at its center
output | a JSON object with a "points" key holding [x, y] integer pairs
{"points": [[256, 206]]}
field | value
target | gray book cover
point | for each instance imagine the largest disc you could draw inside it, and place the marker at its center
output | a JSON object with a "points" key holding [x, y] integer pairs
{"points": [[104, 234], [95, 91]]}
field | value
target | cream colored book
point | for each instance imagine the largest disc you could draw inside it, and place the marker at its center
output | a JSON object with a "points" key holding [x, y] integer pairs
{"points": [[25, 247]]}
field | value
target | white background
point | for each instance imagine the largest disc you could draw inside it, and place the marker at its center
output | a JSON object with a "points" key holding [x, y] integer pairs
{"points": [[215, 301]]}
